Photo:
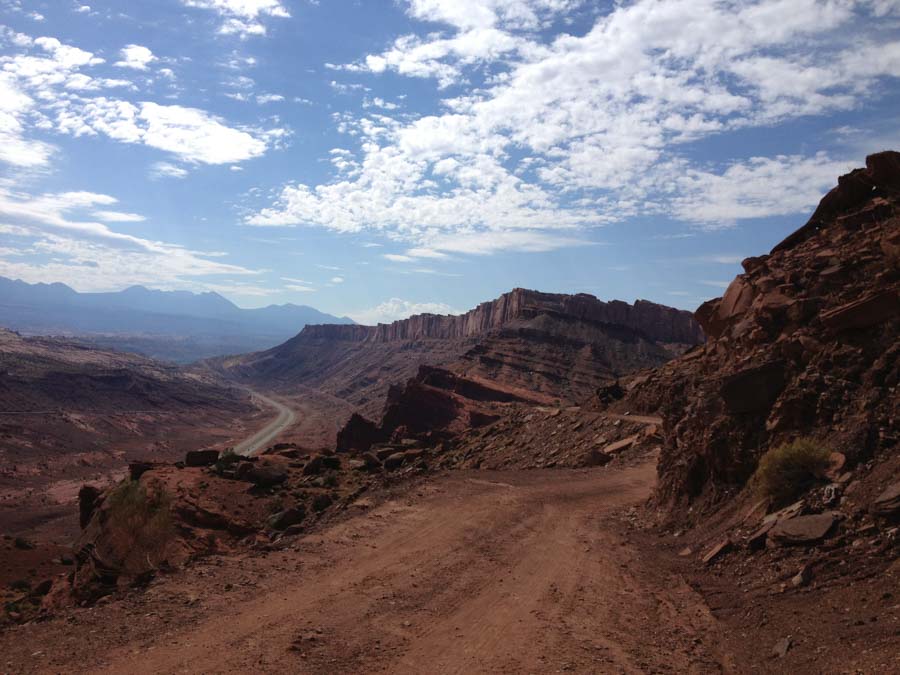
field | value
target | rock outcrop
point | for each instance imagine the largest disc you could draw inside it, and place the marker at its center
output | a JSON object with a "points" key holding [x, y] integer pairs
{"points": [[803, 343], [657, 322], [433, 406], [561, 346]]}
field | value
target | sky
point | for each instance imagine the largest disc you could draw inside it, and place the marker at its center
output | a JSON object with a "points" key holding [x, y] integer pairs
{"points": [[380, 158]]}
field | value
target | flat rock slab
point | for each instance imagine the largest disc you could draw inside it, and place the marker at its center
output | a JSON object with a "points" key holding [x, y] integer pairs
{"points": [[802, 530], [787, 512], [618, 446], [888, 502], [719, 549]]}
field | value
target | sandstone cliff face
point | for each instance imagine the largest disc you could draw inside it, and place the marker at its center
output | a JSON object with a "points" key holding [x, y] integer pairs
{"points": [[558, 346], [656, 322], [804, 343]]}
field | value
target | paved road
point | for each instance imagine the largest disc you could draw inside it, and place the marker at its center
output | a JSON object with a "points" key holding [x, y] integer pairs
{"points": [[264, 437]]}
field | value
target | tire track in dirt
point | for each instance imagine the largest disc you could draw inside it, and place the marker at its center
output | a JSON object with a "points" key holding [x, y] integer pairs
{"points": [[513, 572]]}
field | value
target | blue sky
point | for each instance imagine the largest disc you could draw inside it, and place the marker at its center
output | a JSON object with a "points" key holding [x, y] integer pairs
{"points": [[376, 159]]}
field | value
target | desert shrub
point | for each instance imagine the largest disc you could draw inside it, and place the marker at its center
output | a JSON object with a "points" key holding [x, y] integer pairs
{"points": [[138, 526], [785, 472]]}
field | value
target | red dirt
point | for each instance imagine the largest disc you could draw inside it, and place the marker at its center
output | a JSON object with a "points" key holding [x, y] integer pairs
{"points": [[501, 572]]}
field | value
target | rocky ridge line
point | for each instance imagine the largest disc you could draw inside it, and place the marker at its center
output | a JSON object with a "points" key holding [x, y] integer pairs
{"points": [[657, 322]]}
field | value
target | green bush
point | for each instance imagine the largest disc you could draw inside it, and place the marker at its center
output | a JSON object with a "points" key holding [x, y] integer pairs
{"points": [[787, 471]]}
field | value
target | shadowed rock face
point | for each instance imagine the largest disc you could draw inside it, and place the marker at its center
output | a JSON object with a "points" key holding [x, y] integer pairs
{"points": [[656, 322], [803, 343]]}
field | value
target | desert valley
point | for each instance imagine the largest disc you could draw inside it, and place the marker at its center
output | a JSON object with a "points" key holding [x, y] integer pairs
{"points": [[544, 483], [450, 337]]}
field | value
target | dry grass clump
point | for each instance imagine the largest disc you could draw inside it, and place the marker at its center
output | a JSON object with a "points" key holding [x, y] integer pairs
{"points": [[787, 471]]}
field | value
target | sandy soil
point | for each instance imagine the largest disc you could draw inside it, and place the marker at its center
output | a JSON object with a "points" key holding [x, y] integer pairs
{"points": [[472, 572]]}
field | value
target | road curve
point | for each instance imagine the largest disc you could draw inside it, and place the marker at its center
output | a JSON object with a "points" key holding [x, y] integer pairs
{"points": [[264, 437], [469, 572]]}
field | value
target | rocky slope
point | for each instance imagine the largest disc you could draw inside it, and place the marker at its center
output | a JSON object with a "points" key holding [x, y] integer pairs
{"points": [[804, 343], [563, 346], [70, 412]]}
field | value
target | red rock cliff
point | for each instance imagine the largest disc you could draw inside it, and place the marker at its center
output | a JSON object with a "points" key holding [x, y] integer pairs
{"points": [[657, 322]]}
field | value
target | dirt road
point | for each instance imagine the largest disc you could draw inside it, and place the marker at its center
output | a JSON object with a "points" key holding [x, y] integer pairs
{"points": [[475, 572], [264, 437]]}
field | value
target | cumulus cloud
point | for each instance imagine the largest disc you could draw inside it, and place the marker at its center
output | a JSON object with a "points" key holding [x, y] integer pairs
{"points": [[396, 309], [243, 18], [49, 85], [571, 132], [136, 57]]}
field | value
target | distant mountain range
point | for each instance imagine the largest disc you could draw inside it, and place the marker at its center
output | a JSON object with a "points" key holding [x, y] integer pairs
{"points": [[173, 325]]}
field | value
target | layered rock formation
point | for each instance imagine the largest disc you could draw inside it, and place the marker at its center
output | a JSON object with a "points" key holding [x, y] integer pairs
{"points": [[804, 343], [560, 346], [656, 322]]}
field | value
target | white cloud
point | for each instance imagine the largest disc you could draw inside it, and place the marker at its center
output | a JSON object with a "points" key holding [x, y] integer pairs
{"points": [[191, 134], [756, 188], [300, 288], [262, 99], [119, 217], [724, 259], [242, 17], [15, 148], [136, 57], [62, 244], [394, 257], [396, 309], [167, 170], [44, 87], [578, 131], [337, 280]]}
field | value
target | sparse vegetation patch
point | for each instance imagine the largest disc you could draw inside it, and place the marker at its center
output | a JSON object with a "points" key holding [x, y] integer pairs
{"points": [[787, 471]]}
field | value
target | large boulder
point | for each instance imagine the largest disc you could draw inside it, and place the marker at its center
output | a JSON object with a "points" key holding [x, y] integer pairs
{"points": [[358, 435], [201, 457], [262, 474], [394, 461], [284, 519]]}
